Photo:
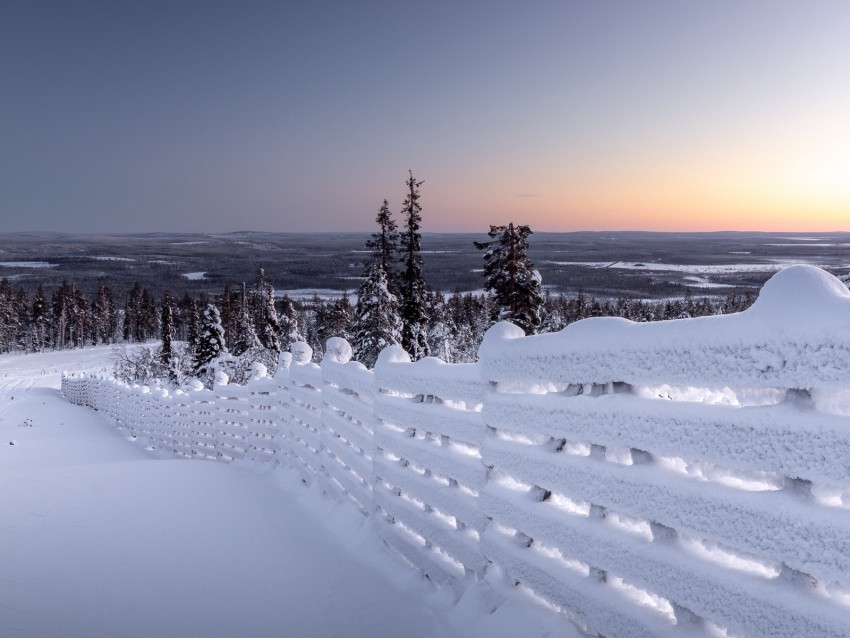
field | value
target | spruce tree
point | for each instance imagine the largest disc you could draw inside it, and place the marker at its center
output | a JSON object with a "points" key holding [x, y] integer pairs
{"points": [[192, 320], [228, 304], [39, 338], [511, 276], [244, 338], [8, 316], [133, 327], [82, 326], [414, 334], [103, 316], [288, 329], [210, 342], [383, 245], [376, 320], [149, 318], [264, 314], [440, 338], [166, 329]]}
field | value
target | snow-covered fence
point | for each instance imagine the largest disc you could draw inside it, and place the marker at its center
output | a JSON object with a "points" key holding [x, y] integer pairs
{"points": [[427, 463], [229, 423], [642, 477], [689, 464]]}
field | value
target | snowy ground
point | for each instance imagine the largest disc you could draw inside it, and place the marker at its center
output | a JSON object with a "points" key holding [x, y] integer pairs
{"points": [[100, 538]]}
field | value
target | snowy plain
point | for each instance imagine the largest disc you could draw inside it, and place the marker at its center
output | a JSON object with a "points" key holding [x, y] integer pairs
{"points": [[98, 537]]}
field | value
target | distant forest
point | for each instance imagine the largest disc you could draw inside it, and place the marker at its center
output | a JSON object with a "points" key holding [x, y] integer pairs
{"points": [[68, 318], [232, 330]]}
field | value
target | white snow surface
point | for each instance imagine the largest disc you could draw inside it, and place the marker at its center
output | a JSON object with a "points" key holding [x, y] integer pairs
{"points": [[796, 335], [697, 269], [27, 264], [638, 477], [100, 537], [195, 276]]}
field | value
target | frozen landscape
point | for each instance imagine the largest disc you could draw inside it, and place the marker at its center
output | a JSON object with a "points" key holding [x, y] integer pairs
{"points": [[613, 478], [100, 537], [378, 319]]}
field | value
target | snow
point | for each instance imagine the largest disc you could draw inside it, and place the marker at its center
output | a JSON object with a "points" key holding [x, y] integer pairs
{"points": [[100, 537], [307, 294], [27, 264], [696, 269], [631, 477], [796, 335], [194, 276], [701, 282]]}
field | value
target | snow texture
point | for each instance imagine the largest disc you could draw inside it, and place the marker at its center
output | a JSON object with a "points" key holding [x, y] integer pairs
{"points": [[796, 335], [637, 477]]}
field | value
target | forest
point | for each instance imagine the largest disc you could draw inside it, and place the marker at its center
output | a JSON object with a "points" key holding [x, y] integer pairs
{"points": [[244, 326]]}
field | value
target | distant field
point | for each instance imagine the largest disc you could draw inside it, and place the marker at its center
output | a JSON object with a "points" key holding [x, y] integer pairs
{"points": [[633, 264]]}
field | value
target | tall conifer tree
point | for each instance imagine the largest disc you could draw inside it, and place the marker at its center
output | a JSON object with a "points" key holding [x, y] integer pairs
{"points": [[210, 343], [511, 276], [376, 320], [384, 245], [414, 334]]}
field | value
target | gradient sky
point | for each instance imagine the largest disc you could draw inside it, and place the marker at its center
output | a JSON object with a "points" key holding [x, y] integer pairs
{"points": [[302, 116]]}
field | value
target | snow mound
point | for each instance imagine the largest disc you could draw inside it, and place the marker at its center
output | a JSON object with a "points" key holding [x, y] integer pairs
{"points": [[803, 293], [796, 335]]}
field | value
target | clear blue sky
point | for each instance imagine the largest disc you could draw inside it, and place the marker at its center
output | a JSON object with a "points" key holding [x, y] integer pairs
{"points": [[294, 116]]}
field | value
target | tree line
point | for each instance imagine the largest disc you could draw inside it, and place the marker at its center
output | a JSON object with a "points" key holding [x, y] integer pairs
{"points": [[242, 328]]}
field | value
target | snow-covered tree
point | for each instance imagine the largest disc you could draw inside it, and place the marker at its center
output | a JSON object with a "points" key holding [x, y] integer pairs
{"points": [[264, 314], [511, 276], [288, 328], [210, 342], [8, 316], [384, 245], [244, 337], [166, 329], [104, 317], [440, 337], [376, 320], [228, 305], [414, 334], [39, 323]]}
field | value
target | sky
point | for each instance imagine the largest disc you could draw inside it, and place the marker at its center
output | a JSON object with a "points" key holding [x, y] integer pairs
{"points": [[220, 116]]}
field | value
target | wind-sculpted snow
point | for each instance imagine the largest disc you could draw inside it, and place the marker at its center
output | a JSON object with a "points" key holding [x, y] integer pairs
{"points": [[796, 335], [429, 376], [637, 477]]}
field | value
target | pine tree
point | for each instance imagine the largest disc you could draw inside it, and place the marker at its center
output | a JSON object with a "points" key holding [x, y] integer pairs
{"points": [[376, 320], [412, 283], [511, 276], [210, 342]]}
